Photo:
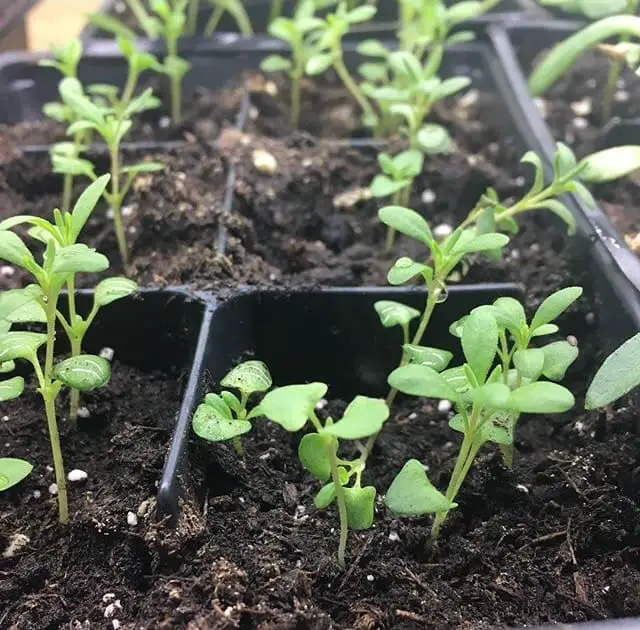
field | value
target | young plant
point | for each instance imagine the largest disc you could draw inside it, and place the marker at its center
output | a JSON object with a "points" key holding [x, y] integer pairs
{"points": [[12, 470], [395, 181], [65, 232], [488, 397], [224, 416], [292, 407], [564, 55], [39, 302], [236, 10], [111, 121]]}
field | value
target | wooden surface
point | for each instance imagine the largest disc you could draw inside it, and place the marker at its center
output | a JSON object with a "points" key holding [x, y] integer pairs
{"points": [[57, 21]]}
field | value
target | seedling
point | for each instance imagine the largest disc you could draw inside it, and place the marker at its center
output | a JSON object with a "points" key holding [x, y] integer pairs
{"points": [[396, 180], [39, 303], [564, 55], [111, 121], [12, 470], [292, 407], [236, 10], [488, 398], [65, 232], [224, 416]]}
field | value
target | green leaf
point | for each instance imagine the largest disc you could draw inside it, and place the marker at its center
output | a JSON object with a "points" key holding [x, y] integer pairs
{"points": [[11, 388], [465, 10], [84, 372], [312, 452], [390, 313], [509, 314], [291, 405], [558, 356], [360, 503], [610, 164], [404, 269], [617, 376], [529, 362], [541, 397], [481, 243], [434, 358], [14, 251], [326, 496], [275, 63], [319, 63], [582, 193], [407, 222], [545, 329], [361, 14], [531, 157], [176, 66], [13, 471], [73, 95], [86, 204], [20, 344], [372, 48], [564, 161], [452, 86], [433, 139], [112, 289], [111, 24], [373, 72], [492, 396], [456, 377], [421, 380], [555, 305], [499, 428], [363, 417], [231, 400], [65, 165], [480, 342], [20, 305], [220, 404], [248, 377], [142, 167], [7, 366], [411, 493], [284, 29], [384, 186], [560, 210], [210, 424], [141, 103], [79, 258]]}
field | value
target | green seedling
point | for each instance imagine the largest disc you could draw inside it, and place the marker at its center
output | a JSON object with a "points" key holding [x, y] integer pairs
{"points": [[564, 55], [65, 232], [222, 417], [236, 10], [111, 121], [396, 179], [488, 397], [39, 302], [169, 24], [12, 470], [292, 407]]}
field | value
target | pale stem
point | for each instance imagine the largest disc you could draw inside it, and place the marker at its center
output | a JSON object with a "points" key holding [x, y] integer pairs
{"points": [[116, 205], [340, 500]]}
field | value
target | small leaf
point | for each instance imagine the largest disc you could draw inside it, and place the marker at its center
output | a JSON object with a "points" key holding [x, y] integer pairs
{"points": [[326, 496], [531, 157], [421, 380], [84, 372], [219, 403], [312, 452], [434, 358], [564, 160], [384, 186], [249, 377], [112, 289], [499, 428], [560, 210], [79, 258], [452, 86], [275, 63], [213, 426], [545, 329], [319, 63], [291, 405], [363, 417], [20, 344], [411, 493], [408, 222], [14, 251], [390, 313], [372, 48], [481, 243], [404, 269], [86, 204], [231, 400], [509, 314], [11, 388], [142, 167], [361, 14], [610, 164], [433, 139], [555, 305], [7, 366], [541, 397], [558, 356], [360, 503], [529, 362], [617, 376], [480, 342], [13, 471], [492, 396]]}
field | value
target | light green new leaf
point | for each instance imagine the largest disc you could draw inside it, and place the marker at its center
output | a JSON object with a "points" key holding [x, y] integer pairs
{"points": [[404, 269], [480, 342], [372, 48], [407, 222], [84, 372], [363, 417], [86, 205], [291, 405], [13, 471], [20, 344], [211, 423], [112, 289], [545, 329], [481, 243], [531, 157], [359, 503], [390, 313], [319, 63], [434, 358], [326, 496], [248, 377], [421, 380], [361, 14], [617, 376], [11, 388], [610, 164], [14, 251], [79, 258], [433, 139], [558, 356], [220, 404], [555, 305], [411, 493], [529, 362], [313, 455], [275, 63], [384, 186], [541, 397]]}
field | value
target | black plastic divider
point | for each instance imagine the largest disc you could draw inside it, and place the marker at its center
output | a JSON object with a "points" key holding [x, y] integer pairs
{"points": [[617, 262]]}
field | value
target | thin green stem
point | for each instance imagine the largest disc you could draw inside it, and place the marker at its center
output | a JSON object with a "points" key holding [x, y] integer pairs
{"points": [[332, 448], [175, 84], [67, 188], [350, 84], [116, 206], [275, 10], [192, 17], [140, 13], [615, 69], [214, 20], [295, 100]]}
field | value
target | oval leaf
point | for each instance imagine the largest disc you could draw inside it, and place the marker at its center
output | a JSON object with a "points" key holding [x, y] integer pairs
{"points": [[411, 493], [480, 342], [359, 503], [363, 417], [434, 358], [11, 388], [312, 452], [326, 496], [79, 258], [113, 289], [529, 362], [393, 313], [248, 377], [13, 471], [83, 372], [558, 356], [20, 345], [404, 269], [541, 397], [420, 380], [209, 424], [492, 396], [14, 251], [555, 305], [20, 305], [408, 222], [610, 164]]}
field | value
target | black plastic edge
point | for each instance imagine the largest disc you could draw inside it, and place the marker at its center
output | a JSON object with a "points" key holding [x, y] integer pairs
{"points": [[619, 264]]}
